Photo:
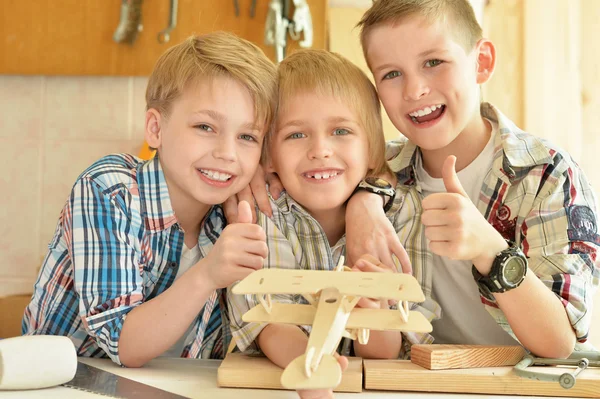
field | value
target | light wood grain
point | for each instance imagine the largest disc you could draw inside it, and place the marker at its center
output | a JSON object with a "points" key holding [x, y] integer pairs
{"points": [[403, 287], [243, 371], [375, 319], [402, 375], [440, 357], [74, 37]]}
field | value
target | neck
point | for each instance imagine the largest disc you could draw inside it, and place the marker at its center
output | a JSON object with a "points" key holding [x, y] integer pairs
{"points": [[466, 147], [333, 222], [189, 214]]}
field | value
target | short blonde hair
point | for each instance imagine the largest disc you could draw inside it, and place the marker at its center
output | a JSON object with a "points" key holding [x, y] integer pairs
{"points": [[465, 27], [330, 74], [209, 56]]}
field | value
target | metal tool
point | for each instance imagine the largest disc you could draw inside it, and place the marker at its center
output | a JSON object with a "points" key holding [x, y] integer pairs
{"points": [[302, 23], [130, 22], [236, 7], [163, 36], [567, 380], [102, 382], [276, 27]]}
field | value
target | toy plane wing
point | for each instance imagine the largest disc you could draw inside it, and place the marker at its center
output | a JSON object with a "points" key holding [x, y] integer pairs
{"points": [[403, 287], [374, 319]]}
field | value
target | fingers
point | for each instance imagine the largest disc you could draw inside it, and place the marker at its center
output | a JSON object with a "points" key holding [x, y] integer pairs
{"points": [[246, 195], [244, 212], [230, 209], [367, 303], [259, 190], [342, 360], [435, 217], [450, 177], [400, 252], [275, 185], [439, 233]]}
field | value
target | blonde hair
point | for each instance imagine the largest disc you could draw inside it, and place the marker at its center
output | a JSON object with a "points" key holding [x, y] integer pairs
{"points": [[330, 74], [210, 56], [465, 27]]}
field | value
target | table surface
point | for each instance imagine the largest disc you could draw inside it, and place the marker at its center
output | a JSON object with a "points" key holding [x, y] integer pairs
{"points": [[195, 378]]}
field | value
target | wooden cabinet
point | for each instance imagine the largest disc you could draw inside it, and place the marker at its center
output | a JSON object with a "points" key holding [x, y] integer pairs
{"points": [[75, 37]]}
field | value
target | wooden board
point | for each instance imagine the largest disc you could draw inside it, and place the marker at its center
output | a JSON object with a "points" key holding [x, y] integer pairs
{"points": [[440, 357], [375, 319], [402, 375], [398, 286], [243, 371], [75, 37]]}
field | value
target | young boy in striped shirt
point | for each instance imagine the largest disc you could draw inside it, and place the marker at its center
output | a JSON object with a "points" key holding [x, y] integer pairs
{"points": [[141, 252]]}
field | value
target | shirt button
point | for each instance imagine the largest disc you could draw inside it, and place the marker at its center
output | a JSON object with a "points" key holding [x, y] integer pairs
{"points": [[173, 264]]}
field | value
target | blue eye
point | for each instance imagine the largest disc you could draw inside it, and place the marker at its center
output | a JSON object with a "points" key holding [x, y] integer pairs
{"points": [[340, 132], [296, 135], [433, 63], [248, 137], [391, 75]]}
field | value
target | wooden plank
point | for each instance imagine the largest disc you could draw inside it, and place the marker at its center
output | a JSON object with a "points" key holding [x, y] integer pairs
{"points": [[370, 285], [373, 319], [245, 371], [441, 357], [402, 375]]}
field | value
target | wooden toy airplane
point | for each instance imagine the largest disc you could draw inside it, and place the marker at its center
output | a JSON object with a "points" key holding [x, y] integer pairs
{"points": [[331, 311]]}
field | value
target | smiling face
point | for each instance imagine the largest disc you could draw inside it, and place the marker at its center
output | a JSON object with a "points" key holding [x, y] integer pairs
{"points": [[319, 150], [209, 146], [427, 82]]}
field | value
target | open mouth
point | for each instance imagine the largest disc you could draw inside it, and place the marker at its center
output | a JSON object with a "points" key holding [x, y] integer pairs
{"points": [[214, 175], [323, 175], [427, 114]]}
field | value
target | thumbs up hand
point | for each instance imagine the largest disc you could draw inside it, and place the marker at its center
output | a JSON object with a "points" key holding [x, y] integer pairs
{"points": [[453, 225], [240, 250]]}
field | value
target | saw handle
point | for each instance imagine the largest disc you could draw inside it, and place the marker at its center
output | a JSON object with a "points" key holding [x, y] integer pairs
{"points": [[36, 361]]}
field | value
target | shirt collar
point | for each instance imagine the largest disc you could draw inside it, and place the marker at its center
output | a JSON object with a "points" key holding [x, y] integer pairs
{"points": [[515, 151], [154, 196]]}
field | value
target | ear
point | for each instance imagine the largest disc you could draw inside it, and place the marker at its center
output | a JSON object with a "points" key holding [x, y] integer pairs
{"points": [[153, 132], [486, 60]]}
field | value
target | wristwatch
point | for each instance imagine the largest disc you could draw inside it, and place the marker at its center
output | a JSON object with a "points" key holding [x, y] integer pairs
{"points": [[378, 186], [508, 271]]}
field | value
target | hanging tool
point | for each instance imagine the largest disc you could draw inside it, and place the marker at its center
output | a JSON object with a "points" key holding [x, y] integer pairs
{"points": [[130, 22], [302, 22], [276, 27], [164, 35]]}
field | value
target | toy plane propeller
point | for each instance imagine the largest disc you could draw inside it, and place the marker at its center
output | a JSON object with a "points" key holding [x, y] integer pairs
{"points": [[331, 312]]}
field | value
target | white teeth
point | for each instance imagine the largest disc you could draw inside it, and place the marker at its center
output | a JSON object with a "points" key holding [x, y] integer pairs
{"points": [[425, 111], [323, 175], [214, 175]]}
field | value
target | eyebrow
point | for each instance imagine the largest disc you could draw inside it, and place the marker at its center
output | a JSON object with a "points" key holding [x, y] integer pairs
{"points": [[300, 123], [219, 117]]}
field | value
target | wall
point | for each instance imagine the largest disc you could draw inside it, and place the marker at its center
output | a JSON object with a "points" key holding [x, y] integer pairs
{"points": [[51, 128]]}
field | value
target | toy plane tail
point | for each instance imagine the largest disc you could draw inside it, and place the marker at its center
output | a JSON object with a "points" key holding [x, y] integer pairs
{"points": [[327, 375]]}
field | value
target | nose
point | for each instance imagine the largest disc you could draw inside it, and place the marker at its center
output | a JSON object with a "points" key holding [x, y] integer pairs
{"points": [[415, 88], [319, 148], [225, 148]]}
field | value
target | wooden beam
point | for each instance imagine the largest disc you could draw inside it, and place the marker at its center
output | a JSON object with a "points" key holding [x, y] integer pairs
{"points": [[441, 357], [402, 375], [243, 371]]}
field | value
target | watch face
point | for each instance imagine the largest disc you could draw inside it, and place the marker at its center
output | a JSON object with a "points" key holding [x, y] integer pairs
{"points": [[514, 270], [377, 182]]}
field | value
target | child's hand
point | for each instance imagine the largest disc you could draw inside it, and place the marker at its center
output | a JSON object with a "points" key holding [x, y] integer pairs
{"points": [[323, 393], [453, 224], [240, 250], [368, 263]]}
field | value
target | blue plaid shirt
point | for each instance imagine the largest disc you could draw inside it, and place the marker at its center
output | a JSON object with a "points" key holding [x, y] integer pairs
{"points": [[118, 244]]}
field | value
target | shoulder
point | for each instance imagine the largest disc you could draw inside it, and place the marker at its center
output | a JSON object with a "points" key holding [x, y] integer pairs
{"points": [[113, 170]]}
